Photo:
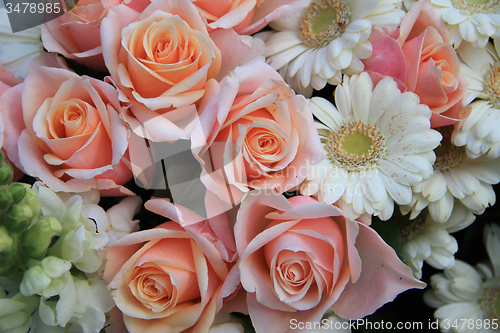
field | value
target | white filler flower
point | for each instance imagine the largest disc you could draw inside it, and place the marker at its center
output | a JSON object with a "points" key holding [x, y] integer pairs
{"points": [[474, 21], [479, 131], [469, 294], [377, 144], [327, 37]]}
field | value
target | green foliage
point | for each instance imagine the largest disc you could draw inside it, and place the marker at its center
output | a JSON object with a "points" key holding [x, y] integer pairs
{"points": [[390, 231]]}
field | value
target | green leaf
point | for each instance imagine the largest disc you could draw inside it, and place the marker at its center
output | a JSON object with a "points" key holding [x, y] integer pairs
{"points": [[389, 231]]}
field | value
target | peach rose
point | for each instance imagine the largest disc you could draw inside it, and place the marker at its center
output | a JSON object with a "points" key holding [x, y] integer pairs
{"points": [[166, 279], [76, 34], [421, 58], [160, 59], [245, 16], [299, 258], [66, 131], [262, 135], [216, 224]]}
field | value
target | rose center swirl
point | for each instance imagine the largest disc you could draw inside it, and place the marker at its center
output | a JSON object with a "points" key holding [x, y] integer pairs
{"points": [[492, 84], [323, 21], [356, 146], [448, 156], [477, 6]]}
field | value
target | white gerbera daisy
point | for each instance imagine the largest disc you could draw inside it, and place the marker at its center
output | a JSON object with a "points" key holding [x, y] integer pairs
{"points": [[18, 49], [474, 21], [327, 37], [455, 176], [377, 144], [468, 293], [478, 132], [424, 239]]}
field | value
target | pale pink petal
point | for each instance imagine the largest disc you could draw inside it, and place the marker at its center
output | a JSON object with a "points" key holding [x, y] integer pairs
{"points": [[236, 50], [12, 117], [387, 57], [383, 277], [271, 10]]}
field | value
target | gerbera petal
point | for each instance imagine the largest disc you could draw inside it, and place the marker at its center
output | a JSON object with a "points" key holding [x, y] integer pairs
{"points": [[454, 16], [401, 194], [399, 113], [469, 31], [343, 60], [383, 94], [361, 91], [363, 8], [399, 174], [434, 188], [334, 49]]}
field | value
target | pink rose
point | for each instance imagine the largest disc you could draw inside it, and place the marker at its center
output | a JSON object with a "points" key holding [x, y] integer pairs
{"points": [[166, 279], [76, 34], [422, 60], [262, 134], [66, 131], [7, 80], [299, 258], [245, 16]]}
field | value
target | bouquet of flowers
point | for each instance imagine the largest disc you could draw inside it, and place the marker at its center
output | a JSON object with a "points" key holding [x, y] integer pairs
{"points": [[247, 165]]}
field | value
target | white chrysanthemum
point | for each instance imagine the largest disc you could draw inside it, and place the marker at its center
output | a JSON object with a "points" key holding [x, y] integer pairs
{"points": [[424, 239], [377, 144], [468, 293], [455, 176], [474, 21], [478, 132], [18, 49], [327, 37]]}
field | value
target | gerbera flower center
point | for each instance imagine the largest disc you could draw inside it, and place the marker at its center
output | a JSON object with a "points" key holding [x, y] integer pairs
{"points": [[410, 228], [492, 84], [477, 6], [448, 155], [356, 146], [323, 21], [490, 303]]}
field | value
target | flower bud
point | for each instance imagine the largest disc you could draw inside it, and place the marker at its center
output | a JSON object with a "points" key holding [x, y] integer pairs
{"points": [[18, 191], [7, 252], [18, 217], [6, 241], [5, 198], [31, 199], [36, 240], [6, 171]]}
